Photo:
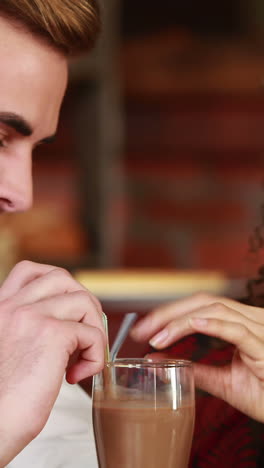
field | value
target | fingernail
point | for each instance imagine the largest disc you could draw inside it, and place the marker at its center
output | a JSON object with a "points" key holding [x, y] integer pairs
{"points": [[199, 322], [159, 339], [147, 356]]}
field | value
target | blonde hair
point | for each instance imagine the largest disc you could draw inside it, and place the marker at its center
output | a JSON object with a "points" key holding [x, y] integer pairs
{"points": [[71, 26]]}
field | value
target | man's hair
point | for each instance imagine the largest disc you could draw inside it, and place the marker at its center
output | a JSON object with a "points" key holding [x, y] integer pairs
{"points": [[71, 26]]}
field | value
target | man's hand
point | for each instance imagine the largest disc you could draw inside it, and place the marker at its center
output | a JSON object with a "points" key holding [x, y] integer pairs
{"points": [[241, 383], [46, 318]]}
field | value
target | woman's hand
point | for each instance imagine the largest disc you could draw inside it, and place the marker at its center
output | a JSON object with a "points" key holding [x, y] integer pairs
{"points": [[241, 383]]}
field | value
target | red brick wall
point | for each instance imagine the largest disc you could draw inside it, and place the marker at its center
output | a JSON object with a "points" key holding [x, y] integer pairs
{"points": [[194, 169]]}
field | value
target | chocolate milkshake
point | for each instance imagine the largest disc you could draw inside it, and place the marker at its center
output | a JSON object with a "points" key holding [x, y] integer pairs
{"points": [[137, 435]]}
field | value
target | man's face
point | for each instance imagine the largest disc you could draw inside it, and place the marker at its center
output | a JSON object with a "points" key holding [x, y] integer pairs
{"points": [[33, 80]]}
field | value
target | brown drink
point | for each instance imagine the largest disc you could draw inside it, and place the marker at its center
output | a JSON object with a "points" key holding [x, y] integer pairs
{"points": [[143, 414], [135, 436]]}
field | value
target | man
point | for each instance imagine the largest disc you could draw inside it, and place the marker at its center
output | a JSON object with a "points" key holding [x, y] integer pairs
{"points": [[46, 316]]}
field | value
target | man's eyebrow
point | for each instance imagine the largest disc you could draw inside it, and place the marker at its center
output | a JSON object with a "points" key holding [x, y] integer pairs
{"points": [[18, 123], [21, 126]]}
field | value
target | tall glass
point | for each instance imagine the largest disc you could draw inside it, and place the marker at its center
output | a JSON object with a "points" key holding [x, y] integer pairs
{"points": [[143, 413]]}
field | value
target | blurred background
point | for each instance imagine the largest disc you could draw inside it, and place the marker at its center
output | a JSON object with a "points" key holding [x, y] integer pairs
{"points": [[159, 160]]}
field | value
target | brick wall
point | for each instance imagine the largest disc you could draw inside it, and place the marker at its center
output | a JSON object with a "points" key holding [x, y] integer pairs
{"points": [[194, 169]]}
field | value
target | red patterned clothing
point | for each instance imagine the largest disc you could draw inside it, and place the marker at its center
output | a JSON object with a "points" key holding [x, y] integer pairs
{"points": [[223, 436]]}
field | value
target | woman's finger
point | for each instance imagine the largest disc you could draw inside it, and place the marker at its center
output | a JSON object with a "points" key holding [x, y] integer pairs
{"points": [[235, 384], [235, 333], [255, 365], [159, 318], [182, 327], [213, 380]]}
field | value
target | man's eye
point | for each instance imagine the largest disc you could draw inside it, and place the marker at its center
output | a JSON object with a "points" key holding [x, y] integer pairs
{"points": [[2, 143]]}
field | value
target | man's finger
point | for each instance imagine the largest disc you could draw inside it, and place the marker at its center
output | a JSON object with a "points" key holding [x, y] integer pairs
{"points": [[34, 281], [90, 342], [56, 281], [21, 275], [72, 307]]}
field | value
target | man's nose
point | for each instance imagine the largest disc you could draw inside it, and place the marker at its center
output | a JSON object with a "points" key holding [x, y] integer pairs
{"points": [[16, 193], [15, 203]]}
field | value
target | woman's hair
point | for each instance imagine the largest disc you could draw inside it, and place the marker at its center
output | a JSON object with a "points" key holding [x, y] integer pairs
{"points": [[70, 26]]}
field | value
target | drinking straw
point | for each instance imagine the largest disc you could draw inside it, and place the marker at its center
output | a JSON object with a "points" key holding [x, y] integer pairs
{"points": [[122, 333], [107, 351]]}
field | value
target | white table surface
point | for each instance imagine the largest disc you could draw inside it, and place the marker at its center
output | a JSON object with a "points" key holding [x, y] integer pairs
{"points": [[67, 440]]}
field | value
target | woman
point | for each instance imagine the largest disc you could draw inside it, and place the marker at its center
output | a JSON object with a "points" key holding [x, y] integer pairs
{"points": [[229, 373]]}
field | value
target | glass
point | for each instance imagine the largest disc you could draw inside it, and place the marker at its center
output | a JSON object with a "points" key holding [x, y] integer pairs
{"points": [[143, 413]]}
